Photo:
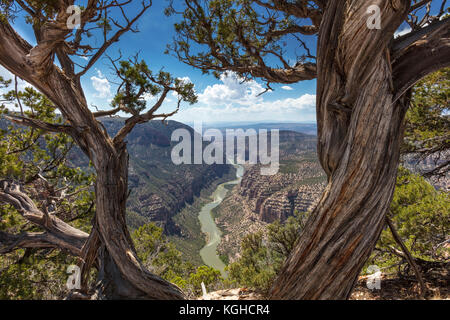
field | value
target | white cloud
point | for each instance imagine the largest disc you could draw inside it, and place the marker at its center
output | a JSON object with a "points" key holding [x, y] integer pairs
{"points": [[101, 85], [232, 90], [5, 73], [235, 100], [185, 79], [402, 32], [149, 99], [291, 109], [288, 88]]}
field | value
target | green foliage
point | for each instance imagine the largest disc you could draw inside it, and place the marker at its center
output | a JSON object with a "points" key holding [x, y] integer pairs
{"points": [[135, 220], [209, 276], [27, 156], [420, 213], [427, 120], [257, 266], [158, 254], [47, 9], [6, 11], [162, 258], [4, 83], [229, 35], [262, 255], [138, 82], [34, 275], [421, 216], [104, 24]]}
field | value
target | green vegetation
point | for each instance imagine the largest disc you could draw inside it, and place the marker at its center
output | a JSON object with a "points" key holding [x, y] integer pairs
{"points": [[158, 254], [428, 122], [421, 216], [293, 165], [224, 258], [419, 212], [26, 274], [262, 254], [192, 239], [43, 164], [209, 276], [162, 258], [40, 164], [134, 220]]}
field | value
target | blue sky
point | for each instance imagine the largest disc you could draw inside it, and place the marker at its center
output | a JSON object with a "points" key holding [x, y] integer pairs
{"points": [[219, 100], [225, 99]]}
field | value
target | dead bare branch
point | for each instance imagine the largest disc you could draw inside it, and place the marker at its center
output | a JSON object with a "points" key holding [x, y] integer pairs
{"points": [[58, 233], [407, 255]]}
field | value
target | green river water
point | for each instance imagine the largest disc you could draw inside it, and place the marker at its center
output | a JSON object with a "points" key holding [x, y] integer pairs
{"points": [[209, 227]]}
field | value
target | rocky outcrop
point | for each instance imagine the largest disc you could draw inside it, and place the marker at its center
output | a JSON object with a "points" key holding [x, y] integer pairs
{"points": [[158, 188], [279, 196], [260, 200], [160, 201]]}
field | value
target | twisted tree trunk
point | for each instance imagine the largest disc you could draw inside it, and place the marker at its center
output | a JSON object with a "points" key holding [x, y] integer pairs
{"points": [[362, 98], [360, 131], [121, 274]]}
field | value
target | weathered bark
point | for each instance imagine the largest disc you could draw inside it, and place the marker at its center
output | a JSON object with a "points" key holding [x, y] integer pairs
{"points": [[119, 261], [362, 98], [58, 234], [418, 55], [360, 132], [364, 77], [123, 274]]}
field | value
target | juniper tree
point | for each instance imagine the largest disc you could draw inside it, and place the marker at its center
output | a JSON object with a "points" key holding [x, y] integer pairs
{"points": [[364, 77], [52, 67]]}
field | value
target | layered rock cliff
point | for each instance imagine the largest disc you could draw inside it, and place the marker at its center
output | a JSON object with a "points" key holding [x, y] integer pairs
{"points": [[159, 188], [279, 196], [260, 200]]}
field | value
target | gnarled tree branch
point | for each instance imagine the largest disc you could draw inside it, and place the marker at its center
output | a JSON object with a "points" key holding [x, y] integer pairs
{"points": [[45, 126], [425, 55], [254, 39], [58, 233]]}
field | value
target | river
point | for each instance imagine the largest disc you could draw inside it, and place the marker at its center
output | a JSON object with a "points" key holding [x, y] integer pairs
{"points": [[209, 227]]}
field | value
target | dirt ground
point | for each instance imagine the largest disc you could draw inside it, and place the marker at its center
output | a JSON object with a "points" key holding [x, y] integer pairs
{"points": [[436, 278]]}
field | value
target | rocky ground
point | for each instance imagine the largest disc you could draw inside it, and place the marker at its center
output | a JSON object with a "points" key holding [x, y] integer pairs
{"points": [[236, 220], [232, 294], [436, 276], [437, 282]]}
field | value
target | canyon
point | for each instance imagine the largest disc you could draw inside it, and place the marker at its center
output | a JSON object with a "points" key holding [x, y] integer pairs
{"points": [[259, 200]]}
